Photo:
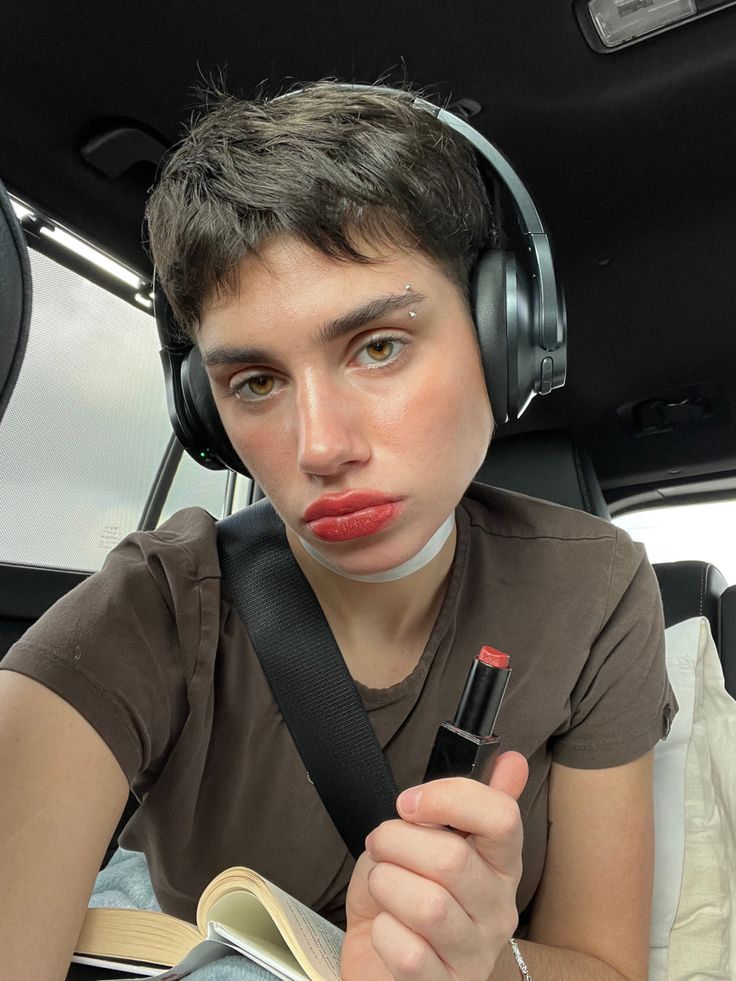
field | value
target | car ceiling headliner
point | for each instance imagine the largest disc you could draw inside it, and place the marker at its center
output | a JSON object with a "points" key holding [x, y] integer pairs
{"points": [[629, 156]]}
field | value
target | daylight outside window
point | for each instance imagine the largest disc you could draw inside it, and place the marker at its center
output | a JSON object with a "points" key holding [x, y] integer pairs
{"points": [[704, 532], [85, 432]]}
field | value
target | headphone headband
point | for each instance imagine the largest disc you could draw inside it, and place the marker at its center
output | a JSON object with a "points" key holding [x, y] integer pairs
{"points": [[550, 326]]}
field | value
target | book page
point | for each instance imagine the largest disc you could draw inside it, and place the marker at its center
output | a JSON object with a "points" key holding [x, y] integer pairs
{"points": [[264, 919], [277, 959], [320, 940], [242, 920], [137, 935]]}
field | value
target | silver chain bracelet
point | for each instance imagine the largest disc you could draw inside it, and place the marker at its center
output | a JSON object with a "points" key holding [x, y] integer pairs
{"points": [[520, 961]]}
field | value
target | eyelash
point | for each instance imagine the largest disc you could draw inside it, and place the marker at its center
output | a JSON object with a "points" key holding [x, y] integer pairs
{"points": [[237, 390]]}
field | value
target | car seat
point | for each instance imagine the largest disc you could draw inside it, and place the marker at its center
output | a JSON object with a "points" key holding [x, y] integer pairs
{"points": [[15, 298], [548, 464], [727, 637]]}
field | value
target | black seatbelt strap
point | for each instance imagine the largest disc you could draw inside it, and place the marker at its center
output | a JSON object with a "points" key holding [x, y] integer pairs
{"points": [[307, 673]]}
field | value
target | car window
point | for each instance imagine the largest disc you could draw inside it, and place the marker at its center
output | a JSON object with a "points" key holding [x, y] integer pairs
{"points": [[193, 485], [705, 531], [85, 433]]}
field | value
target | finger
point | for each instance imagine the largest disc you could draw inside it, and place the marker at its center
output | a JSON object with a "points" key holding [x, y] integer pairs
{"points": [[490, 815], [425, 908], [406, 955], [469, 803], [510, 774], [435, 854], [360, 905]]}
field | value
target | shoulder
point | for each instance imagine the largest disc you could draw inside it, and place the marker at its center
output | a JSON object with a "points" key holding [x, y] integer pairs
{"points": [[147, 570], [185, 544], [580, 550], [124, 645], [149, 581], [507, 514]]}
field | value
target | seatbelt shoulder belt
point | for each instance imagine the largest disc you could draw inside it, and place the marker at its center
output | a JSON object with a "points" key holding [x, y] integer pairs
{"points": [[306, 672]]}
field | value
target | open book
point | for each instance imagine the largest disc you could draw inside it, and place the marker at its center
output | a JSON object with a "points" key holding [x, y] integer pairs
{"points": [[239, 912]]}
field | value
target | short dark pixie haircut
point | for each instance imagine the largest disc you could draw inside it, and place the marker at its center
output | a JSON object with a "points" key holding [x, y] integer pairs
{"points": [[333, 166]]}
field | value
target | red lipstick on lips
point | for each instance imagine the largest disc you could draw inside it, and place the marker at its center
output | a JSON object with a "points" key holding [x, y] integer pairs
{"points": [[353, 514]]}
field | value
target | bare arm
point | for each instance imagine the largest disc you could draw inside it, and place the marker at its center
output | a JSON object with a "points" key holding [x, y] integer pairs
{"points": [[595, 897], [63, 793]]}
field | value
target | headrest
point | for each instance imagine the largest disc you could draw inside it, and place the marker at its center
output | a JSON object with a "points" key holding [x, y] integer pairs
{"points": [[15, 298], [547, 464], [727, 638], [690, 589]]}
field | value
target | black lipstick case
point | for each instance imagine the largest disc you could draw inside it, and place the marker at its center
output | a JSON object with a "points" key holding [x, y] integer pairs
{"points": [[466, 746], [457, 753]]}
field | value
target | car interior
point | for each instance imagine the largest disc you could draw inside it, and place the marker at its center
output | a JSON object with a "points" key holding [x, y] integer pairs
{"points": [[620, 126]]}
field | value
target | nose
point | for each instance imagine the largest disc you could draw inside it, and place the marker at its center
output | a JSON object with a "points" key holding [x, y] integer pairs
{"points": [[331, 429]]}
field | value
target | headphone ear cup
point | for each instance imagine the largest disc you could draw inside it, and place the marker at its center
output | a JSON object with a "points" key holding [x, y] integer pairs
{"points": [[488, 304], [503, 308], [205, 432]]}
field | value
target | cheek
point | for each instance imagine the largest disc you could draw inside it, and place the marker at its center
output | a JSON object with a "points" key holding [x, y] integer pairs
{"points": [[452, 410], [257, 443]]}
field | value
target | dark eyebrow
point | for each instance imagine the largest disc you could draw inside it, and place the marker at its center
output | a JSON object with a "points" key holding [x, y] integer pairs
{"points": [[366, 314], [331, 331]]}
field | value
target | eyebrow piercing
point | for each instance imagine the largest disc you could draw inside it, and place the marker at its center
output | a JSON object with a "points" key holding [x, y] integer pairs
{"points": [[412, 313], [409, 287]]}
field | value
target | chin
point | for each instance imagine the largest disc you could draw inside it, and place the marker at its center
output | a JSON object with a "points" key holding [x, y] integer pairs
{"points": [[374, 554]]}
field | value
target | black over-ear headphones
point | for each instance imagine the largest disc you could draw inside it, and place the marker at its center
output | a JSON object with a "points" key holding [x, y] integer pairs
{"points": [[517, 304]]}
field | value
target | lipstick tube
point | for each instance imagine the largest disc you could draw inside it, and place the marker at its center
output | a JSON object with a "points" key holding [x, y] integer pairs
{"points": [[466, 746]]}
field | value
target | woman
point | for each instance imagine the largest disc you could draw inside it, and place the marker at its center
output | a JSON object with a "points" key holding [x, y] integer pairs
{"points": [[318, 249]]}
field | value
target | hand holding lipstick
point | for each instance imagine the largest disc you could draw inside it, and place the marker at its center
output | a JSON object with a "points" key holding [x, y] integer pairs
{"points": [[427, 904]]}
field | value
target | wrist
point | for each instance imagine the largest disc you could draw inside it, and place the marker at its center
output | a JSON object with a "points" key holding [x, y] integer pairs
{"points": [[520, 962], [507, 967]]}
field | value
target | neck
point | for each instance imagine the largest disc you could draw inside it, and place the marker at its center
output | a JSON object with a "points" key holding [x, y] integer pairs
{"points": [[398, 610]]}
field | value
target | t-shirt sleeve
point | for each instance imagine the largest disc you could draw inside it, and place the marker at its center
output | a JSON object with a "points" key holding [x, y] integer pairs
{"points": [[122, 647], [622, 703]]}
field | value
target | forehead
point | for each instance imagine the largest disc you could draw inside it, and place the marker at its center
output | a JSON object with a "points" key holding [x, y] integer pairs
{"points": [[291, 282]]}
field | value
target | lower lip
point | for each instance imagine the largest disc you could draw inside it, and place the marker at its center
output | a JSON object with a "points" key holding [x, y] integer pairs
{"points": [[357, 524]]}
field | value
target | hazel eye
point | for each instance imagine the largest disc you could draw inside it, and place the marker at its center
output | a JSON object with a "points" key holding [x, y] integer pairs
{"points": [[380, 351], [254, 388]]}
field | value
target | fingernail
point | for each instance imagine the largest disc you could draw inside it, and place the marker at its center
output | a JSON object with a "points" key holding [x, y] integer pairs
{"points": [[409, 801], [367, 842]]}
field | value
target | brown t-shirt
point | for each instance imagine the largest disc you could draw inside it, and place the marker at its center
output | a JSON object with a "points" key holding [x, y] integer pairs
{"points": [[153, 654]]}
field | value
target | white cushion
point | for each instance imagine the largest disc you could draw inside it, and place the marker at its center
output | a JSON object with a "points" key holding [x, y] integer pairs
{"points": [[693, 932]]}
